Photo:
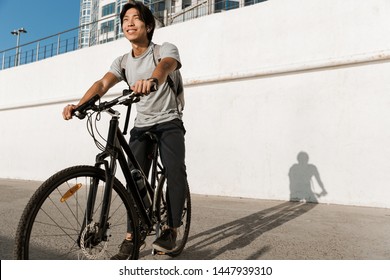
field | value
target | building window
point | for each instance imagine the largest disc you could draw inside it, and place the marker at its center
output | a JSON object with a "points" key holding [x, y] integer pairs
{"points": [[108, 9], [226, 5], [107, 26], [252, 2]]}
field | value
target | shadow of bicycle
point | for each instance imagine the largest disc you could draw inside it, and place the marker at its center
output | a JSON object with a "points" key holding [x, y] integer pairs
{"points": [[242, 232]]}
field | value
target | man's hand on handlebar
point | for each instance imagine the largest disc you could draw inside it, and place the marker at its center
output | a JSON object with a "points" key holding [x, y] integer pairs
{"points": [[145, 87], [68, 111]]}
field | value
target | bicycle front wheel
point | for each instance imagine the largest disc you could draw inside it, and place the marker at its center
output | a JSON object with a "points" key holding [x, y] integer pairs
{"points": [[53, 224]]}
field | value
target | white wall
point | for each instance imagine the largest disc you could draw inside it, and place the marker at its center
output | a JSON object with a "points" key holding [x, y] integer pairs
{"points": [[263, 83]]}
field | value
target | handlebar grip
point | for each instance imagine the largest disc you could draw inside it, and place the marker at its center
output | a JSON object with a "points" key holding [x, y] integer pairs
{"points": [[80, 111]]}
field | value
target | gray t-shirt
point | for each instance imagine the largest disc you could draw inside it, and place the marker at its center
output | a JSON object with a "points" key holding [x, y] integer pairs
{"points": [[157, 107]]}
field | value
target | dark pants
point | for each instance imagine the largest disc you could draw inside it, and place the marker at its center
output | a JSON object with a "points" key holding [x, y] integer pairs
{"points": [[170, 137]]}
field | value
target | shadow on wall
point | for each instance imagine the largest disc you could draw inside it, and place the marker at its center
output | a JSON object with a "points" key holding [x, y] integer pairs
{"points": [[301, 183]]}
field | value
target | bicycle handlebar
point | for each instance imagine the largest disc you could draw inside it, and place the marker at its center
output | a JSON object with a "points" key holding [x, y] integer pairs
{"points": [[128, 97]]}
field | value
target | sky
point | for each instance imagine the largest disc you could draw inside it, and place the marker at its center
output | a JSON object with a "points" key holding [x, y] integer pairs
{"points": [[41, 18]]}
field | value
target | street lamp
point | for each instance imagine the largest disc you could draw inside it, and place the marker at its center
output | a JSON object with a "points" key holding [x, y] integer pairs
{"points": [[17, 33]]}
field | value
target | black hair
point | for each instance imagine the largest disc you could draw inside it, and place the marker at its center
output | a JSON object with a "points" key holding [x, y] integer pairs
{"points": [[145, 15]]}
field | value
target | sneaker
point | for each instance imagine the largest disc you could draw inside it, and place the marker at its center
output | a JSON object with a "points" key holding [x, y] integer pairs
{"points": [[125, 250], [166, 242]]}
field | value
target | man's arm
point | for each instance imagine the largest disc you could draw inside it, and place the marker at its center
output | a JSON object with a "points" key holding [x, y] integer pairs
{"points": [[100, 87], [166, 66]]}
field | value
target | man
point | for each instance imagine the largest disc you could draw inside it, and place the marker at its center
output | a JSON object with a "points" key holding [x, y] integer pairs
{"points": [[159, 112]]}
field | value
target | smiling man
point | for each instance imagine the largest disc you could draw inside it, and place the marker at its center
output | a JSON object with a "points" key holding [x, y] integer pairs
{"points": [[159, 111]]}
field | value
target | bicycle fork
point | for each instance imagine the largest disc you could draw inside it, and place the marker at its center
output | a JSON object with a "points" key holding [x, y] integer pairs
{"points": [[100, 231]]}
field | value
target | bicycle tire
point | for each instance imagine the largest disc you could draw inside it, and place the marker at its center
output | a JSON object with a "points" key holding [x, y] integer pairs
{"points": [[50, 229], [184, 229]]}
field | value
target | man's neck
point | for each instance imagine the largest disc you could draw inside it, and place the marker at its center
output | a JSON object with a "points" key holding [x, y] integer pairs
{"points": [[139, 48]]}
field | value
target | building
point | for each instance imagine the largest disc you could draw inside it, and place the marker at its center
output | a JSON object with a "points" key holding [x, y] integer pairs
{"points": [[98, 21], [100, 24], [85, 20]]}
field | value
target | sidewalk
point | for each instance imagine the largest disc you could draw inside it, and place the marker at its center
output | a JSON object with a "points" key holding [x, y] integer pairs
{"points": [[245, 229]]}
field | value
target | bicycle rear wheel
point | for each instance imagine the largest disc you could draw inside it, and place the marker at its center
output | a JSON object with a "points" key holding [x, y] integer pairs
{"points": [[52, 225], [184, 229]]}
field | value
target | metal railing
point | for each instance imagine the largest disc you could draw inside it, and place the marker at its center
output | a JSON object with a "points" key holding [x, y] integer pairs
{"points": [[40, 49], [49, 46], [70, 40]]}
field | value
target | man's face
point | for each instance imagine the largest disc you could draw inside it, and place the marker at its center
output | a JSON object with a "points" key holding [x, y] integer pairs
{"points": [[133, 27]]}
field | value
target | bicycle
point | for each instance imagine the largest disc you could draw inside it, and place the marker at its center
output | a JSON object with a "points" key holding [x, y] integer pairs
{"points": [[83, 212]]}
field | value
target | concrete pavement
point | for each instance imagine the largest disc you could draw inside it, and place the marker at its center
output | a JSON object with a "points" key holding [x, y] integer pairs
{"points": [[227, 228]]}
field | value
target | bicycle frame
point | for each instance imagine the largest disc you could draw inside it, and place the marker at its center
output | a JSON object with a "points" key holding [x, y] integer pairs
{"points": [[96, 219], [115, 151]]}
